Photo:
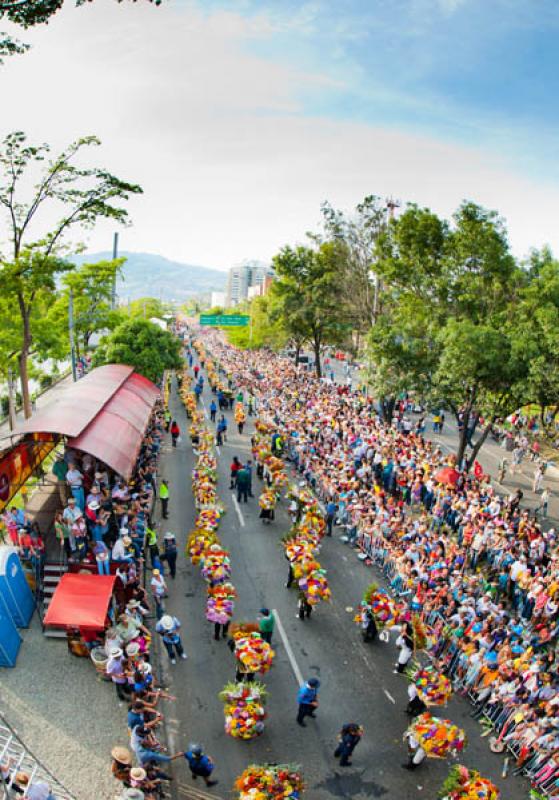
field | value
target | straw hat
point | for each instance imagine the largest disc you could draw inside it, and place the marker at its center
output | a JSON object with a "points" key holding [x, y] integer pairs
{"points": [[138, 774], [132, 649], [115, 652], [122, 755], [94, 505], [156, 572], [127, 540], [166, 622]]}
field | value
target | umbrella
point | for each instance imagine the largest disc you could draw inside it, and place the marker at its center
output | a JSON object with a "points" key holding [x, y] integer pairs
{"points": [[447, 475]]}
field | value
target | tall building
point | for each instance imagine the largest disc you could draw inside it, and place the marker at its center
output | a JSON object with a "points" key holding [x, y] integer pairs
{"points": [[243, 277]]}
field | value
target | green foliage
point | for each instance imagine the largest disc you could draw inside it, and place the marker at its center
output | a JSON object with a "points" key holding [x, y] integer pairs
{"points": [[28, 13], [143, 345], [148, 307], [446, 325], [266, 329], [31, 183], [307, 296]]}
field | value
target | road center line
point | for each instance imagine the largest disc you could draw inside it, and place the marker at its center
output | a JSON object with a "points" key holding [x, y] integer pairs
{"points": [[389, 696], [288, 650], [218, 450], [238, 510]]}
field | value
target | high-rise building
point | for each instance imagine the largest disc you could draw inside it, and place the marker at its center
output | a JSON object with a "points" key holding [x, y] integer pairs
{"points": [[242, 277]]}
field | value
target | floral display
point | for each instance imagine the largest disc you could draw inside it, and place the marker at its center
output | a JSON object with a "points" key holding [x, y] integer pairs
{"points": [[209, 518], [199, 541], [253, 654], [240, 415], [216, 565], [438, 737], [433, 687], [244, 709], [383, 607], [270, 782], [220, 603], [467, 784], [423, 637], [315, 586], [268, 499]]}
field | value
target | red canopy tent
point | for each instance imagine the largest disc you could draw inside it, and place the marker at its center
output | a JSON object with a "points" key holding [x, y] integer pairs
{"points": [[447, 475], [81, 601]]}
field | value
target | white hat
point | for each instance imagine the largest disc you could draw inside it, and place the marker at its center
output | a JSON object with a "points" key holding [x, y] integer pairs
{"points": [[116, 652], [123, 532], [169, 535], [166, 622], [94, 505], [145, 667]]}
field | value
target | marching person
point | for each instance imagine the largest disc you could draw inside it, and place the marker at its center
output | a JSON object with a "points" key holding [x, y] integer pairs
{"points": [[303, 606], [349, 737], [169, 554], [405, 643], [266, 624], [307, 698], [164, 497], [159, 591], [175, 432], [168, 627], [200, 764], [416, 754], [415, 704]]}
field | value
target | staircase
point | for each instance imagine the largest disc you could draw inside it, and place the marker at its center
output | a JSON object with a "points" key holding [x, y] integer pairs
{"points": [[21, 760], [52, 573]]}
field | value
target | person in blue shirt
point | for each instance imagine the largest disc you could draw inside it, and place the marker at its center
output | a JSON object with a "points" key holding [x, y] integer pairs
{"points": [[213, 410], [200, 764], [331, 510], [307, 698], [221, 430]]}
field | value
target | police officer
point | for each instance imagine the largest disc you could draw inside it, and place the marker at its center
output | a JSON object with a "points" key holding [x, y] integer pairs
{"points": [[307, 698], [170, 553], [200, 764]]}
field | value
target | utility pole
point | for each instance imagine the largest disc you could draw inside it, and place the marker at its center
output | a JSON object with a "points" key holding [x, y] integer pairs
{"points": [[71, 333], [11, 401], [115, 256]]}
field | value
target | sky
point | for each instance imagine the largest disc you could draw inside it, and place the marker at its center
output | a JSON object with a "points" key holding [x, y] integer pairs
{"points": [[239, 118]]}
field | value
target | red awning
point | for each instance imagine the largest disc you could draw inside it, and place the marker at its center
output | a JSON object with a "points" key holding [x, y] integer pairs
{"points": [[104, 414], [80, 601]]}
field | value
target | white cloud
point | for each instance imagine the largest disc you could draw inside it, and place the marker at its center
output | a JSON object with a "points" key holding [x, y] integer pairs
{"points": [[230, 165]]}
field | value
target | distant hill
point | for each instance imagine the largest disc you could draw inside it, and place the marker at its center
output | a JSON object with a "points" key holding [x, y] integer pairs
{"points": [[150, 275]]}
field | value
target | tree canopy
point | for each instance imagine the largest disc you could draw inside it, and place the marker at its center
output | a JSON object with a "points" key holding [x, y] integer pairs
{"points": [[143, 345]]}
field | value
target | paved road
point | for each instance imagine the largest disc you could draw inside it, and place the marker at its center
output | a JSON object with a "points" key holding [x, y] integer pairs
{"points": [[357, 680]]}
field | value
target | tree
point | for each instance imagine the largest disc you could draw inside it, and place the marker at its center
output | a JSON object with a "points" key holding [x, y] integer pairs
{"points": [[265, 329], [27, 14], [307, 293], [31, 258], [143, 345], [91, 286], [447, 325], [147, 307], [357, 237]]}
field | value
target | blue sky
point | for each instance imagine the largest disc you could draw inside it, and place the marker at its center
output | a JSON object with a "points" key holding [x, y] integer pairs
{"points": [[240, 117], [475, 71]]}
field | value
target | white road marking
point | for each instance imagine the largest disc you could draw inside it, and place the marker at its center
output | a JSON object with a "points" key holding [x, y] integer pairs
{"points": [[288, 650], [238, 510], [218, 450], [389, 696]]}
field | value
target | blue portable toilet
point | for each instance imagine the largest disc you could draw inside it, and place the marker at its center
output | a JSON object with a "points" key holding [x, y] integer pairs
{"points": [[10, 640], [14, 589]]}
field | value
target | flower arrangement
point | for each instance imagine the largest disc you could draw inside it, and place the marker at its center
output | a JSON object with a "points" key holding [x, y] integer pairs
{"points": [[268, 499], [438, 737], [209, 517], [433, 687], [244, 709], [422, 635], [252, 652], [216, 566], [467, 784], [381, 604], [270, 782], [240, 415], [279, 479], [315, 586], [220, 603], [199, 541]]}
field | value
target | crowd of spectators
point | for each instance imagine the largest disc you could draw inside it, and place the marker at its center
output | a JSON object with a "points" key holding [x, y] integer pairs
{"points": [[480, 568]]}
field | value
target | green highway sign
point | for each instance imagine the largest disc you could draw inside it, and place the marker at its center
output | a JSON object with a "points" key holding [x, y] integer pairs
{"points": [[232, 320]]}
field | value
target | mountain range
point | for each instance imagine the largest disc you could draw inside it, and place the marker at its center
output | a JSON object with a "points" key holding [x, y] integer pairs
{"points": [[151, 275]]}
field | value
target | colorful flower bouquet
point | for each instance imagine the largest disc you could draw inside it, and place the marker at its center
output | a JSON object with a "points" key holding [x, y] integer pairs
{"points": [[240, 415], [216, 565], [220, 603], [270, 782], [438, 737], [433, 687], [382, 605], [252, 652], [467, 784], [244, 709], [315, 586], [209, 517], [199, 541], [268, 499]]}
